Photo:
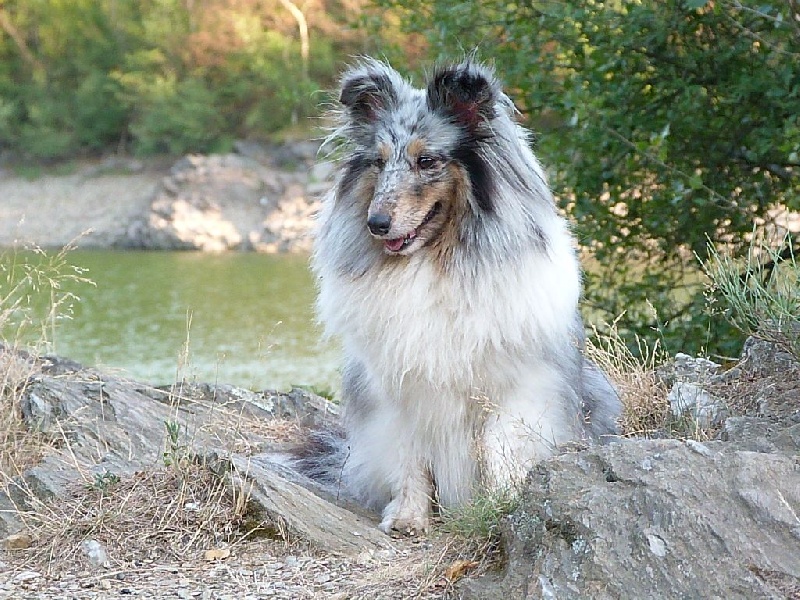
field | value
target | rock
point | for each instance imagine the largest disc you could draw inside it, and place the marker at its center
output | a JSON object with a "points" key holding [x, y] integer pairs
{"points": [[762, 357], [95, 553], [206, 203], [788, 439], [688, 378], [598, 524], [751, 433], [261, 198], [302, 515], [252, 149], [18, 541], [685, 368], [764, 384], [89, 410], [26, 576], [697, 403], [213, 203], [289, 227]]}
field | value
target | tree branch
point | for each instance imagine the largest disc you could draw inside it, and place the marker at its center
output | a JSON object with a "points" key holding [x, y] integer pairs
{"points": [[302, 26]]}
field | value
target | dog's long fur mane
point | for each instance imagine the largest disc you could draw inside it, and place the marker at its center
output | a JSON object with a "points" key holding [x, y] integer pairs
{"points": [[458, 313]]}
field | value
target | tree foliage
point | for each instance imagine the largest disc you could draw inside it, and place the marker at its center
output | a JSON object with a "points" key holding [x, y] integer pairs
{"points": [[666, 124], [159, 75]]}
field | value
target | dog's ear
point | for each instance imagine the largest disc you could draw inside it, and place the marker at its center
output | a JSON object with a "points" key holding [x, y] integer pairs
{"points": [[466, 92], [368, 89]]}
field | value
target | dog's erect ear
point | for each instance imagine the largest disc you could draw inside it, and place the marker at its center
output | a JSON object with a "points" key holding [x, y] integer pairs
{"points": [[466, 92], [368, 89]]}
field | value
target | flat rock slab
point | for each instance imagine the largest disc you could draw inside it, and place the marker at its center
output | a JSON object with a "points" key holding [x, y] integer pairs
{"points": [[300, 514]]}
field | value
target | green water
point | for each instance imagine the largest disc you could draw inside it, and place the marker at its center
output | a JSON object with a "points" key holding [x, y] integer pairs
{"points": [[248, 319]]}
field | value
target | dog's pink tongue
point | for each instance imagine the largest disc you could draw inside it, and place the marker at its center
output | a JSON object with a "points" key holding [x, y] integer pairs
{"points": [[395, 244]]}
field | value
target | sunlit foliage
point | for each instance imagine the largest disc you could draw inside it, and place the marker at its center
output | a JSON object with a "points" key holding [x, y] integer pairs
{"points": [[161, 75]]}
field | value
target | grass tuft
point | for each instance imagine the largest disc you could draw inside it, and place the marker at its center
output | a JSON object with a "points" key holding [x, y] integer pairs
{"points": [[759, 293], [481, 518], [645, 407]]}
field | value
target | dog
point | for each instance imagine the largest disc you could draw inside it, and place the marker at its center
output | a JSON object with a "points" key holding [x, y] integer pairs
{"points": [[453, 284]]}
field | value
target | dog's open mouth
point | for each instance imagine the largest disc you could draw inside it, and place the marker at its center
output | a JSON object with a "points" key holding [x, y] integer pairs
{"points": [[401, 243]]}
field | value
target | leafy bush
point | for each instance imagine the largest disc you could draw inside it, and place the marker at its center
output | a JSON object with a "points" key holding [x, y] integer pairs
{"points": [[56, 60], [159, 75], [172, 116]]}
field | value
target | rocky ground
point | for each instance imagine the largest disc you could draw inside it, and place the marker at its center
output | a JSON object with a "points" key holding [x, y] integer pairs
{"points": [[115, 488], [90, 205]]}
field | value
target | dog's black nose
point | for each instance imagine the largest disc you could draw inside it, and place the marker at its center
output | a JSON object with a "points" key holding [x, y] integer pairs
{"points": [[379, 224]]}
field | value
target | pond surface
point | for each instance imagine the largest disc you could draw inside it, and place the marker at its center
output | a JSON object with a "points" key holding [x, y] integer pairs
{"points": [[248, 319]]}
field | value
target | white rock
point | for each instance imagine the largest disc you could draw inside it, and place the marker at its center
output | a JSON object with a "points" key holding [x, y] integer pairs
{"points": [[25, 576], [691, 399], [657, 545], [95, 552]]}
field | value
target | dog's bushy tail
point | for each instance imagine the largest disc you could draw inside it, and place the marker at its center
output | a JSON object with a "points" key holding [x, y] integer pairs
{"points": [[601, 402], [322, 456]]}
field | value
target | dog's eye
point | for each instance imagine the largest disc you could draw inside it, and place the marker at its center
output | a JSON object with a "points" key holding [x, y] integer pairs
{"points": [[426, 162], [379, 162]]}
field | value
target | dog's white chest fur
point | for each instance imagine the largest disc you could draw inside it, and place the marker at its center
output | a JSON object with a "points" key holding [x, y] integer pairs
{"points": [[410, 321]]}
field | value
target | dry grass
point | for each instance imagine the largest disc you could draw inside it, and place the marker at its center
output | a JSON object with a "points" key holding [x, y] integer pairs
{"points": [[646, 410], [32, 300], [19, 446], [159, 515]]}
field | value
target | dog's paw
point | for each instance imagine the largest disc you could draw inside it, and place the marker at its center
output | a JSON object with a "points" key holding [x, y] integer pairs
{"points": [[404, 518], [405, 527]]}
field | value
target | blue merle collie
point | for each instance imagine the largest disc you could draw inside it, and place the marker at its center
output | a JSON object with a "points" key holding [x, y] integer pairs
{"points": [[453, 284]]}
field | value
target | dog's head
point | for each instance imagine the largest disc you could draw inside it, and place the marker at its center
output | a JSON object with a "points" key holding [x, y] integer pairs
{"points": [[419, 157]]}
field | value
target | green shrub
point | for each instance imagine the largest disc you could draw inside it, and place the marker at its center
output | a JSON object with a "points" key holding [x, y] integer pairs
{"points": [[758, 294], [171, 115], [160, 76]]}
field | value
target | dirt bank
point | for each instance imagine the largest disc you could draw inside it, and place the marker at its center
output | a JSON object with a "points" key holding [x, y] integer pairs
{"points": [[96, 199]]}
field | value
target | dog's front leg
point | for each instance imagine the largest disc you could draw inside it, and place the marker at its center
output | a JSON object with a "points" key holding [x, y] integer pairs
{"points": [[410, 509], [536, 417]]}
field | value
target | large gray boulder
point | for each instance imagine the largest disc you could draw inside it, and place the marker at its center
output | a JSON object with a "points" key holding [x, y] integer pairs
{"points": [[655, 519], [667, 518]]}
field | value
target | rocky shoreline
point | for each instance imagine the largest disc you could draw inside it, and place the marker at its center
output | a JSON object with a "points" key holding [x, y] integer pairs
{"points": [[258, 198]]}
